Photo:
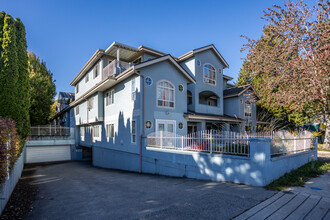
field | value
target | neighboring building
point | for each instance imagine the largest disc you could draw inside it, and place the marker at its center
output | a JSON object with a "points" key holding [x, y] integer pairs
{"points": [[241, 102], [65, 113], [123, 94]]}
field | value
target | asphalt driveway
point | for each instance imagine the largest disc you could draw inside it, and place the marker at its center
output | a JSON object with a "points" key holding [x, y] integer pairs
{"points": [[77, 190]]}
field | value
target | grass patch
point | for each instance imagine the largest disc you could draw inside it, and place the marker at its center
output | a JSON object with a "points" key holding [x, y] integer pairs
{"points": [[299, 176]]}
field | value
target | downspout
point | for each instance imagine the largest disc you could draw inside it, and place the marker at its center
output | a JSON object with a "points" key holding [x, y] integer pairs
{"points": [[143, 113]]}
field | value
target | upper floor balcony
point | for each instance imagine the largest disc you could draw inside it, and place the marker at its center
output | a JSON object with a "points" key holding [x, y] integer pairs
{"points": [[114, 68]]}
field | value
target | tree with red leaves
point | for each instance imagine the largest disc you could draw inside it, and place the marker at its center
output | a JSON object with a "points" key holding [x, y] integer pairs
{"points": [[295, 68]]}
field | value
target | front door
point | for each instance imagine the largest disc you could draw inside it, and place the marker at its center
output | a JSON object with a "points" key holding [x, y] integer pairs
{"points": [[165, 130]]}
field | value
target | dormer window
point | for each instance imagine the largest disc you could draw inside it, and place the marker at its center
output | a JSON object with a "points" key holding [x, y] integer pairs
{"points": [[209, 76]]}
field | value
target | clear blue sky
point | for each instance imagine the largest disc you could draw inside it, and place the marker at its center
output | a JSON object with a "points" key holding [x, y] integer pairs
{"points": [[66, 33]]}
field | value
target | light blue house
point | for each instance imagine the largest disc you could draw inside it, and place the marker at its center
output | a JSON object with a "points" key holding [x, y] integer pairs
{"points": [[123, 94], [65, 113]]}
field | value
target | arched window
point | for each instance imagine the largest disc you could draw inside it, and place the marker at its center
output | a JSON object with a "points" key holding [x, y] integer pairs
{"points": [[209, 74], [165, 94]]}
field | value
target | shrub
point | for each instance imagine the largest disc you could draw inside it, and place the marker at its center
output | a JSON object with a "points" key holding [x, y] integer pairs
{"points": [[9, 146]]}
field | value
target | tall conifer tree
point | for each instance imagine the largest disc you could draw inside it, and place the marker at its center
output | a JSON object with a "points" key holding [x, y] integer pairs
{"points": [[8, 71], [23, 83]]}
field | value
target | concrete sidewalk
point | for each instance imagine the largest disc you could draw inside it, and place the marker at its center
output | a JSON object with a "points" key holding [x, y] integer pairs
{"points": [[312, 201]]}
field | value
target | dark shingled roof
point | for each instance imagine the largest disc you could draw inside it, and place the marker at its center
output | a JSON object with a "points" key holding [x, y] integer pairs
{"points": [[67, 95], [234, 91]]}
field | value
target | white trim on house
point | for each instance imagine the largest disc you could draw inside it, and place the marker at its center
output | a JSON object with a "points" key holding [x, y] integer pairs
{"points": [[160, 59], [193, 52], [150, 50]]}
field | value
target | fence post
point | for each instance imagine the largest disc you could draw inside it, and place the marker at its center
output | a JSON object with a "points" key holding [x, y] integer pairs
{"points": [[211, 142], [283, 142], [38, 130], [7, 161], [60, 131]]}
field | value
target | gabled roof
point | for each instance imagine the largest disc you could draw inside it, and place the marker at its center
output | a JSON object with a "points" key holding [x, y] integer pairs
{"points": [[98, 53], [237, 91], [127, 53], [170, 59], [209, 47], [113, 80], [227, 77], [150, 50]]}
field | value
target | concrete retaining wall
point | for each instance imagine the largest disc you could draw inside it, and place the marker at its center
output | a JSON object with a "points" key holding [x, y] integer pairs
{"points": [[258, 170], [8, 186]]}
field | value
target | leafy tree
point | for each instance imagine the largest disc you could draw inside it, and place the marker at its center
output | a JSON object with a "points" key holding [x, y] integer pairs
{"points": [[53, 111], [23, 83], [282, 113], [42, 90], [295, 72]]}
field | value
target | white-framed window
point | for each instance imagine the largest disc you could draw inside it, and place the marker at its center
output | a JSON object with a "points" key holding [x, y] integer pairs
{"points": [[209, 75], [82, 133], [247, 109], [109, 97], [96, 133], [133, 88], [110, 130], [91, 103], [77, 110], [87, 78], [133, 131], [165, 94], [96, 70], [77, 88]]}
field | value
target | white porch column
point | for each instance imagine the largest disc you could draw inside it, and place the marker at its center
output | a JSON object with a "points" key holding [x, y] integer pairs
{"points": [[118, 54]]}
